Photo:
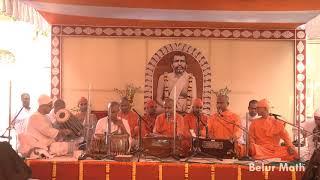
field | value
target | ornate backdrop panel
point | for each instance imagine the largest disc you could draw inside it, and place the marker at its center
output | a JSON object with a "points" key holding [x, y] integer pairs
{"points": [[297, 37]]}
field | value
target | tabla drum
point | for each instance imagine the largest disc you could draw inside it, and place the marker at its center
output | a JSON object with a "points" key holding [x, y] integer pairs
{"points": [[119, 144], [98, 145], [66, 120], [157, 146]]}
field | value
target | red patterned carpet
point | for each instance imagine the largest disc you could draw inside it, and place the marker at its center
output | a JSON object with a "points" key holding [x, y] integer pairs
{"points": [[96, 170]]}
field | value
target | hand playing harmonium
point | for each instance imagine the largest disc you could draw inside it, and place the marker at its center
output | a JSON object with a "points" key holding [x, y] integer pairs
{"points": [[219, 148]]}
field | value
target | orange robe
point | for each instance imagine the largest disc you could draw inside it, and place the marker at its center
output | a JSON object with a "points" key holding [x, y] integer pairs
{"points": [[132, 119], [163, 127], [225, 127], [190, 123], [220, 128], [264, 137], [147, 126]]}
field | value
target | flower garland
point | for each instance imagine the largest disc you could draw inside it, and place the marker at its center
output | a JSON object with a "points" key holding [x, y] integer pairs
{"points": [[129, 91]]}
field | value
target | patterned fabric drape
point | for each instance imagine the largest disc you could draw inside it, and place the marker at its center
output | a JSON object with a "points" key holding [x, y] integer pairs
{"points": [[22, 12], [313, 28]]}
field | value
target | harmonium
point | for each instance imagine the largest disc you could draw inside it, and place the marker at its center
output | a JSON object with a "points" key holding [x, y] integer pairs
{"points": [[220, 148]]}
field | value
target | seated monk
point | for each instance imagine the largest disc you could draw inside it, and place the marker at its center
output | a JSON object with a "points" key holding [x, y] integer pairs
{"points": [[225, 124], [126, 114], [191, 119], [164, 126], [149, 118], [265, 134]]}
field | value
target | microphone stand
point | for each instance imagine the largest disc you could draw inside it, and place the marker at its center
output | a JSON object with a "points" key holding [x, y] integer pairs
{"points": [[108, 136], [197, 147], [87, 123], [175, 129], [246, 157], [291, 124], [10, 126], [140, 148]]}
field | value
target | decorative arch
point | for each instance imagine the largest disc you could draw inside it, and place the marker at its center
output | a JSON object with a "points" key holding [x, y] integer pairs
{"points": [[151, 77]]}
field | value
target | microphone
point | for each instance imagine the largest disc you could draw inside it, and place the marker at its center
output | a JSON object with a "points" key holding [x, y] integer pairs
{"points": [[198, 116], [135, 111], [141, 117], [229, 122], [204, 124], [275, 115], [220, 113], [168, 115]]}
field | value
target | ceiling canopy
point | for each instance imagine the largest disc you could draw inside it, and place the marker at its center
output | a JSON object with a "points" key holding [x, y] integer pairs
{"points": [[279, 14]]}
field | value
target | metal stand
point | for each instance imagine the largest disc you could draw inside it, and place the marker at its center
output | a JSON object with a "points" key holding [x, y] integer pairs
{"points": [[246, 157], [11, 122], [10, 127], [277, 117], [197, 146], [140, 149]]}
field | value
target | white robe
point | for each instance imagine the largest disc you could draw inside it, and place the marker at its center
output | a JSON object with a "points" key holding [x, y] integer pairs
{"points": [[21, 121], [40, 134], [243, 136], [52, 116], [102, 128], [307, 150]]}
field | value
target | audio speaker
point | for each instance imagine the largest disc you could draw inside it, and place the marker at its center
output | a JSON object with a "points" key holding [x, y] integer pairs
{"points": [[12, 166]]}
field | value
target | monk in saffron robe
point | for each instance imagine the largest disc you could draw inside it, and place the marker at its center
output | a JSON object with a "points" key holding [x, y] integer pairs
{"points": [[192, 119], [128, 115], [225, 124], [147, 125], [265, 134], [164, 122], [164, 126]]}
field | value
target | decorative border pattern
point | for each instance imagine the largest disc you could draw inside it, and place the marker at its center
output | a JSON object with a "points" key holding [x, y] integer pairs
{"points": [[56, 70], [196, 54], [174, 32], [298, 36], [300, 73]]}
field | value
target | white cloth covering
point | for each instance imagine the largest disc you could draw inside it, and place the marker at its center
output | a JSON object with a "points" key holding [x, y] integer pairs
{"points": [[243, 138], [41, 135]]}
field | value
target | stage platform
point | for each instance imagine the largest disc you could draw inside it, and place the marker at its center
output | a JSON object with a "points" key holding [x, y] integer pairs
{"points": [[72, 169]]}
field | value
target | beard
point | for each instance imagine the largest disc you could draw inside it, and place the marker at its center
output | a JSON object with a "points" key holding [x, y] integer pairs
{"points": [[179, 69]]}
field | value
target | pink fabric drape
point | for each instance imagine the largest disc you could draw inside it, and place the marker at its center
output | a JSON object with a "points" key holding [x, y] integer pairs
{"points": [[23, 12], [313, 28]]}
